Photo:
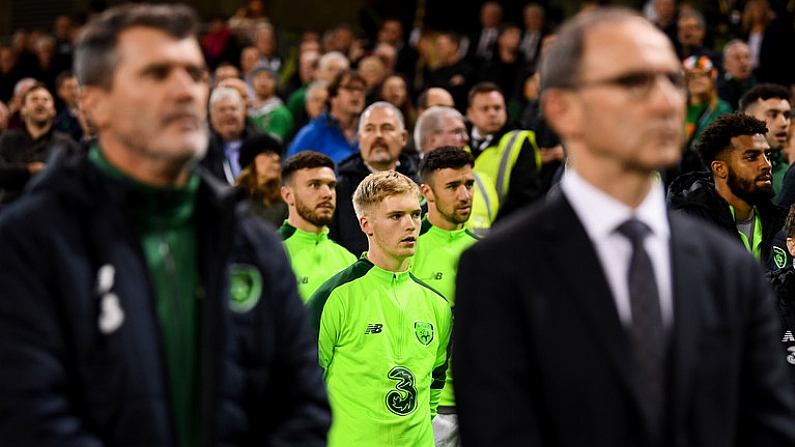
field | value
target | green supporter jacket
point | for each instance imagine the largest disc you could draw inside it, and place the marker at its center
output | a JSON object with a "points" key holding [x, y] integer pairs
{"points": [[273, 118], [382, 341], [436, 262], [314, 257]]}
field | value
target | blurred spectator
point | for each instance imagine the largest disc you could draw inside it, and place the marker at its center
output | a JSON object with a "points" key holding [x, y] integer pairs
{"points": [[775, 63], [316, 101], [394, 90], [692, 29], [63, 32], [10, 73], [372, 70], [266, 45], [527, 109], [217, 42], [24, 51], [260, 177], [299, 70], [15, 105], [224, 70], [507, 67], [46, 71], [342, 38], [535, 28], [268, 112], [454, 74], [665, 18], [703, 103], [738, 75], [23, 152], [246, 20], [388, 56], [249, 58], [228, 130], [434, 96], [243, 89], [328, 66], [333, 133], [391, 33], [427, 60], [66, 121], [755, 20], [479, 48]]}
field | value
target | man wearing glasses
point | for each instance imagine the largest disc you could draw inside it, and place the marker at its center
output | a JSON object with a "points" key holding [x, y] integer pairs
{"points": [[333, 133], [609, 322]]}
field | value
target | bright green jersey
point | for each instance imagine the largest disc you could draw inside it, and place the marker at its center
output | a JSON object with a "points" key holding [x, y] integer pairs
{"points": [[314, 257], [435, 262], [382, 341]]}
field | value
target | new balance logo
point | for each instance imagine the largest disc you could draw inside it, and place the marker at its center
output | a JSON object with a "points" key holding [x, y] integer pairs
{"points": [[304, 280], [788, 337], [437, 276], [373, 329]]}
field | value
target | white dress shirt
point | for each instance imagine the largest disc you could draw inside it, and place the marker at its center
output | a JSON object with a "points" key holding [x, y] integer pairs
{"points": [[601, 215]]}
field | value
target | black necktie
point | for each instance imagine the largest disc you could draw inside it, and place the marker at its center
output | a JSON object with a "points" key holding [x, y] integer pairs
{"points": [[646, 332]]}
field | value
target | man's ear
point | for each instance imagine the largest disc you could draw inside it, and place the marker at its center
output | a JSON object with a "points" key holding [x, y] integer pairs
{"points": [[427, 192], [287, 195], [719, 168], [364, 224], [562, 111], [95, 103]]}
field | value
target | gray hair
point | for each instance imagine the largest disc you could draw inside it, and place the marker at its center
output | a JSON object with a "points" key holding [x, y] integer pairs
{"points": [[317, 85], [332, 56], [731, 44], [430, 121], [220, 93], [96, 58], [382, 105]]}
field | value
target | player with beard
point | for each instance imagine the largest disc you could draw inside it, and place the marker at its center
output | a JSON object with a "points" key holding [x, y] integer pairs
{"points": [[309, 189], [737, 195], [448, 184]]}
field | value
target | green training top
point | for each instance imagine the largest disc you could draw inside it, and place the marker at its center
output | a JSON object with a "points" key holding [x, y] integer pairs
{"points": [[436, 262], [314, 257], [382, 341]]}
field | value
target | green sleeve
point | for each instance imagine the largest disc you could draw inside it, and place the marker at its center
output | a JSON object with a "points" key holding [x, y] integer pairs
{"points": [[281, 123], [439, 374]]}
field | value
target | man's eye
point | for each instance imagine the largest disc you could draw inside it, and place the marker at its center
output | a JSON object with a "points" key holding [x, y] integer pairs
{"points": [[636, 80]]}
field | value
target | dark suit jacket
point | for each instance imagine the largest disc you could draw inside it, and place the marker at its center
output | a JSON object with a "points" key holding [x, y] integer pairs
{"points": [[541, 358]]}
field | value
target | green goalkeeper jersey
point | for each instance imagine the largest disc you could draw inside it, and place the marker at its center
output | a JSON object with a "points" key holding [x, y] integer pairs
{"points": [[435, 263], [382, 341], [314, 257]]}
